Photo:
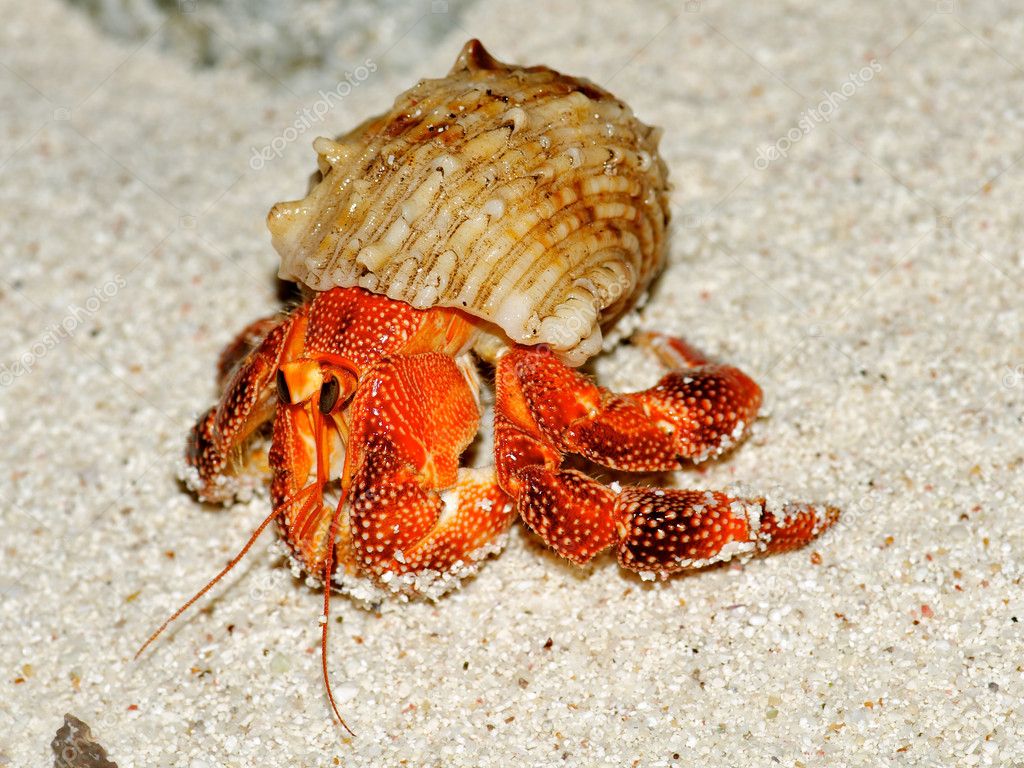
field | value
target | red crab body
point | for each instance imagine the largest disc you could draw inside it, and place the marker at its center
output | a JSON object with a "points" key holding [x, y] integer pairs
{"points": [[372, 403]]}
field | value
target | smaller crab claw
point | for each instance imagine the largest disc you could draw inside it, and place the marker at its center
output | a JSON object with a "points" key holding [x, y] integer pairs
{"points": [[545, 410]]}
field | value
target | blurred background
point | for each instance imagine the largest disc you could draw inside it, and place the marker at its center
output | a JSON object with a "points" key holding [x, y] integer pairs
{"points": [[295, 43]]}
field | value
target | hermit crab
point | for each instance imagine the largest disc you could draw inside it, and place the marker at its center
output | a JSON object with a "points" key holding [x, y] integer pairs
{"points": [[503, 218]]}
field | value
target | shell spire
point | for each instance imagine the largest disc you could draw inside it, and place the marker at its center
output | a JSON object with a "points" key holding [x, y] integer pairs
{"points": [[533, 200], [474, 57]]}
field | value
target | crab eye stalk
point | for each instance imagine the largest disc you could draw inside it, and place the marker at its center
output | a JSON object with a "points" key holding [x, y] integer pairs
{"points": [[298, 380], [282, 388], [329, 393]]}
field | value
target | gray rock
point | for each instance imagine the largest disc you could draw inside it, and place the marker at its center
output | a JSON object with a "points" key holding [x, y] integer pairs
{"points": [[284, 42]]}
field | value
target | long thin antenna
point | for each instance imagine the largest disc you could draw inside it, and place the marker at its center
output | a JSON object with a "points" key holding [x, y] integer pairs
{"points": [[231, 564], [328, 567], [322, 463]]}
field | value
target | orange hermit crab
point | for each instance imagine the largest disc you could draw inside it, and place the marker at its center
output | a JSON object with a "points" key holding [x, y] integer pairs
{"points": [[506, 214]]}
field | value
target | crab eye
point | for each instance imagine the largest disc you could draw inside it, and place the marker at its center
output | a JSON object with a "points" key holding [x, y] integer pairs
{"points": [[282, 388], [329, 395]]}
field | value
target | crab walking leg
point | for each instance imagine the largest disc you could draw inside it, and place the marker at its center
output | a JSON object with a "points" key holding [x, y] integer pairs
{"points": [[245, 341], [544, 410], [412, 508], [215, 450], [690, 415], [666, 531], [298, 500]]}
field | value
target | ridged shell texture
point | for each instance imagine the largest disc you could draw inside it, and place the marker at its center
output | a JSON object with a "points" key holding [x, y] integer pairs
{"points": [[530, 199]]}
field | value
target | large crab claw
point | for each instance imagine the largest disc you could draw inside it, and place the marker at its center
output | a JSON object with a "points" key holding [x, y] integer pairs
{"points": [[413, 508], [404, 504], [698, 410]]}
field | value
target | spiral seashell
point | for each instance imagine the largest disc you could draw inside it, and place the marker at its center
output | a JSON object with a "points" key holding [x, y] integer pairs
{"points": [[530, 199]]}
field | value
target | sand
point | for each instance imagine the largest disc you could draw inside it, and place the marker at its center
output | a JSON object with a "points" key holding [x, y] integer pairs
{"points": [[847, 189]]}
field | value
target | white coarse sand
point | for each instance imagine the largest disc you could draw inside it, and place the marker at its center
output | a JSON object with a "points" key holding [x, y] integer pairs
{"points": [[847, 227]]}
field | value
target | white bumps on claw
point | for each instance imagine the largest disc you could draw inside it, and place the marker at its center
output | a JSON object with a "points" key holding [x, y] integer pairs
{"points": [[429, 584]]}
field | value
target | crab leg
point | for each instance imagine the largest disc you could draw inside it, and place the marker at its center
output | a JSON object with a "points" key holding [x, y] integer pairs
{"points": [[691, 414], [301, 445], [412, 508], [545, 409], [216, 445], [245, 341]]}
